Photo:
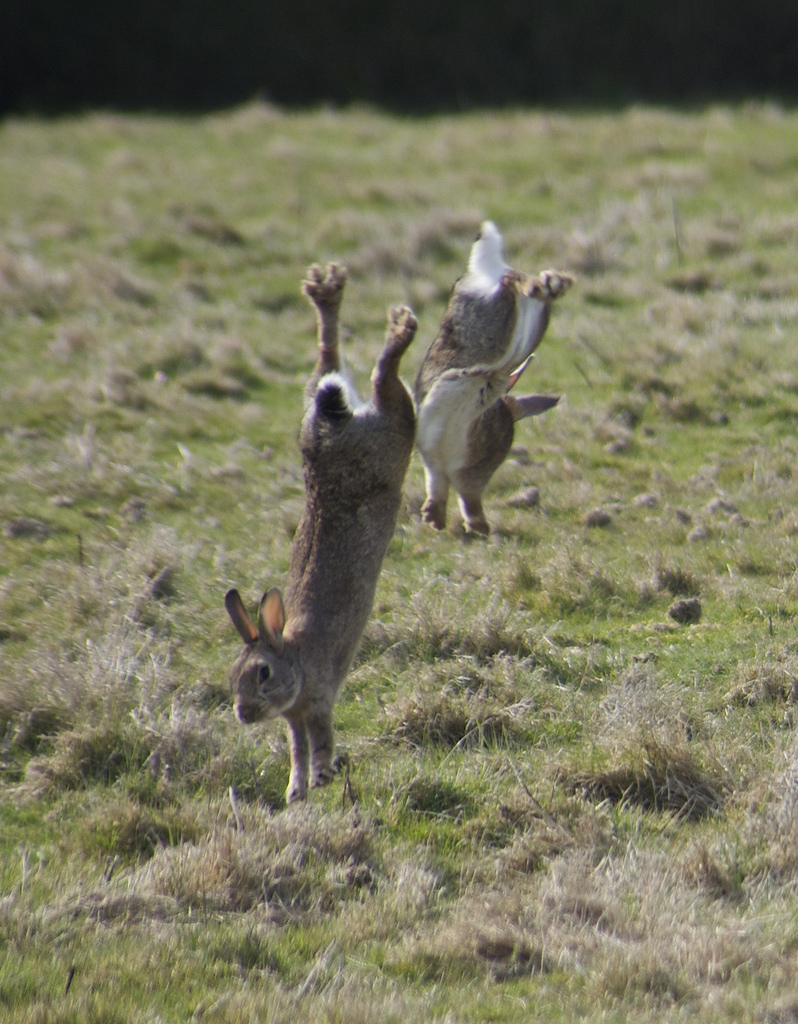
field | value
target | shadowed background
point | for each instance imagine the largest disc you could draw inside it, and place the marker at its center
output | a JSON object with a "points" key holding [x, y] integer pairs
{"points": [[414, 55]]}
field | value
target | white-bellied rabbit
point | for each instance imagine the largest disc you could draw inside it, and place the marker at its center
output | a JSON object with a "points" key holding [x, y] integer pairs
{"points": [[495, 319], [355, 457]]}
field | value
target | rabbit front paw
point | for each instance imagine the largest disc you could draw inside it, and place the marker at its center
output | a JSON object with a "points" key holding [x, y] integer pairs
{"points": [[434, 513], [296, 792], [322, 777]]}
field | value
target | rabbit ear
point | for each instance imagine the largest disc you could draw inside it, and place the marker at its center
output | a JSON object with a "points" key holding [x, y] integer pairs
{"points": [[271, 619], [241, 620]]}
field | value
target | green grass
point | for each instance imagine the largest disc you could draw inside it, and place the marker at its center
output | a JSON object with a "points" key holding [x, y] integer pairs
{"points": [[555, 802]]}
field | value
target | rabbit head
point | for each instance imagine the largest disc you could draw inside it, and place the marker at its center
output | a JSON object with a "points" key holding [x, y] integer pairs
{"points": [[263, 679]]}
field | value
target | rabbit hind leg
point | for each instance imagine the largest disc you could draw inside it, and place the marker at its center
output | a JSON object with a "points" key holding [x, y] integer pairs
{"points": [[326, 291], [490, 438], [547, 286], [402, 326], [388, 392]]}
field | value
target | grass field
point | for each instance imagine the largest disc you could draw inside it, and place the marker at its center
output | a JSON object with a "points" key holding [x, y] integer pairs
{"points": [[556, 802]]}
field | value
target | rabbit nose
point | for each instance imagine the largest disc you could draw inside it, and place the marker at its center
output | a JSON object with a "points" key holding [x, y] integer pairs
{"points": [[246, 713]]}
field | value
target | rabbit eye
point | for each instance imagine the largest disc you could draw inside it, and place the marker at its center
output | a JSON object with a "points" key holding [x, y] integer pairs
{"points": [[264, 672]]}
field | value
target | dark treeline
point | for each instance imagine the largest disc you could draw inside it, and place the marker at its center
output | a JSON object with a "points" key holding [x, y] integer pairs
{"points": [[413, 55]]}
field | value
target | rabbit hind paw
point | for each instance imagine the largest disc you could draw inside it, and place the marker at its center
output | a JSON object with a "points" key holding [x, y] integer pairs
{"points": [[549, 285], [325, 289]]}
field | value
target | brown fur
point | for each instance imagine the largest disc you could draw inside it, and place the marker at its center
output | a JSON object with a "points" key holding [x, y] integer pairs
{"points": [[354, 464], [473, 332], [466, 416]]}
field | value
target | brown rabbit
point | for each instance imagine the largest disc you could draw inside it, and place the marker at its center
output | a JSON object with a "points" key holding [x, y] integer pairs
{"points": [[495, 319], [355, 457]]}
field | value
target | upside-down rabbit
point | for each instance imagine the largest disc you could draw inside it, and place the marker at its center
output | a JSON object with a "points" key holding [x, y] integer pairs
{"points": [[494, 320], [355, 456]]}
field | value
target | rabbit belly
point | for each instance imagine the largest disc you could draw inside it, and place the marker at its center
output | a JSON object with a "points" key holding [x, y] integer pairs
{"points": [[446, 414]]}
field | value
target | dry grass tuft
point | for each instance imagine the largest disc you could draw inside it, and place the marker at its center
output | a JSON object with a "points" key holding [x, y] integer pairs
{"points": [[431, 795], [704, 869], [678, 580], [462, 704], [496, 936], [135, 828], [466, 621], [82, 756], [26, 722], [572, 581], [773, 822], [764, 682], [785, 1011], [653, 773], [452, 721], [299, 861], [181, 750], [531, 837], [128, 908]]}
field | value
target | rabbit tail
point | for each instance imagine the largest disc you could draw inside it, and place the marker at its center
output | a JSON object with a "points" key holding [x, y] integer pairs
{"points": [[334, 398]]}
